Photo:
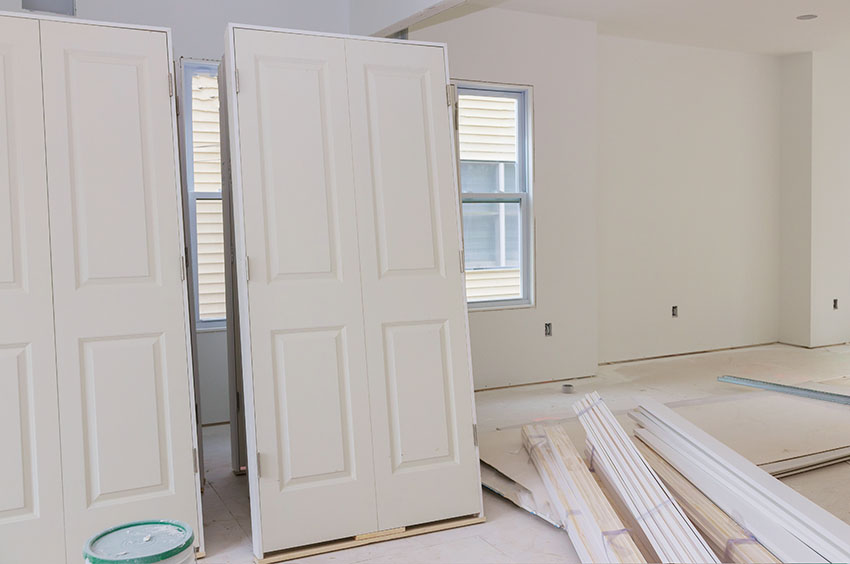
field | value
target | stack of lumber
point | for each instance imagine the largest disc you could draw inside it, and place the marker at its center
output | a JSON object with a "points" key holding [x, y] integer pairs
{"points": [[593, 526], [806, 462], [790, 526], [644, 502], [725, 537]]}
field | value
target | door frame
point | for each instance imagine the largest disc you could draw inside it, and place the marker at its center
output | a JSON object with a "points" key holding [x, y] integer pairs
{"points": [[228, 82], [199, 534]]}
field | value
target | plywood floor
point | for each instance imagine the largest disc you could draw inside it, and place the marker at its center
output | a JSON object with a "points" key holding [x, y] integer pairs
{"points": [[512, 535]]}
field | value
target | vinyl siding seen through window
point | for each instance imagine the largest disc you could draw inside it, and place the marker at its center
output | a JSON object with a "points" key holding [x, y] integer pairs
{"points": [[488, 139], [206, 177]]}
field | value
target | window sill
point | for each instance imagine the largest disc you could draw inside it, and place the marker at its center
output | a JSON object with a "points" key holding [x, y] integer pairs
{"points": [[473, 307], [211, 328]]}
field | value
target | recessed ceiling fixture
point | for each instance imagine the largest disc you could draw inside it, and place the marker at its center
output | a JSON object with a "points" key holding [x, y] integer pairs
{"points": [[807, 17]]}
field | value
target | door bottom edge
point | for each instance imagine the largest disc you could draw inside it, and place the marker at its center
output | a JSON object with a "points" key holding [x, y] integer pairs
{"points": [[369, 538]]}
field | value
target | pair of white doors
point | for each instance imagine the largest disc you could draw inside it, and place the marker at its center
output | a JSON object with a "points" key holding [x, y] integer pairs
{"points": [[352, 307], [95, 410]]}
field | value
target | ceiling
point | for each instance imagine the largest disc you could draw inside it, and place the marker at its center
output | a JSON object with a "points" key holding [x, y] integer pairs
{"points": [[761, 26]]}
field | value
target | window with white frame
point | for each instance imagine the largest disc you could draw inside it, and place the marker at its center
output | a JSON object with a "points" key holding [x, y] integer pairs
{"points": [[494, 143], [203, 176]]}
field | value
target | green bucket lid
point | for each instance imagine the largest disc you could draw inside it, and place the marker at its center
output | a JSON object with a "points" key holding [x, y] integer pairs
{"points": [[140, 542]]}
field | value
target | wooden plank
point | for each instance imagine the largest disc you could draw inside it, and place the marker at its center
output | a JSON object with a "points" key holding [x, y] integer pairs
{"points": [[816, 527], [665, 525], [376, 534], [726, 537], [619, 541], [597, 533], [786, 547], [798, 464], [342, 544]]}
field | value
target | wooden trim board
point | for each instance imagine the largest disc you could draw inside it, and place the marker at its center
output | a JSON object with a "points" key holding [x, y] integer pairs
{"points": [[596, 531], [614, 457], [729, 541], [818, 529], [376, 534], [798, 464], [369, 538]]}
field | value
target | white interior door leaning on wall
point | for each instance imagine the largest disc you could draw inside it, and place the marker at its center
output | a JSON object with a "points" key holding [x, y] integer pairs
{"points": [[117, 403], [31, 471], [358, 390]]}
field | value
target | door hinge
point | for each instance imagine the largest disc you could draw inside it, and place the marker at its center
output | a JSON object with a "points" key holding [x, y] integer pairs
{"points": [[258, 464], [238, 402], [195, 459], [475, 433], [182, 267], [236, 77], [462, 256], [247, 268], [453, 102], [451, 94], [170, 85]]}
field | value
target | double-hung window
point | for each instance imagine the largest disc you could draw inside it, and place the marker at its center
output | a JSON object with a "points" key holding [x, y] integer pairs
{"points": [[203, 177], [494, 144]]}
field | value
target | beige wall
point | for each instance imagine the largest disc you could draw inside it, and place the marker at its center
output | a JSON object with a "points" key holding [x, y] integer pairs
{"points": [[689, 152], [796, 201], [830, 196], [558, 58]]}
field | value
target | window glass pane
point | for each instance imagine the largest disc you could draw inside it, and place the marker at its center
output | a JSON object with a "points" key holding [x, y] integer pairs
{"points": [[510, 177], [491, 235], [206, 145], [479, 176], [210, 244]]}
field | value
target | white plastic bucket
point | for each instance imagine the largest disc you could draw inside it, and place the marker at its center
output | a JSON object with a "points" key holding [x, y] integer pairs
{"points": [[143, 542]]}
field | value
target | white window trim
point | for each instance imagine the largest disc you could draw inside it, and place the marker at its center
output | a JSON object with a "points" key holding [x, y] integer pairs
{"points": [[188, 67], [524, 96]]}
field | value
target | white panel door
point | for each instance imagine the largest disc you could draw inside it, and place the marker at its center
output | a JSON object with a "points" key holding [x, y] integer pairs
{"points": [[30, 473], [307, 353], [426, 463], [121, 344]]}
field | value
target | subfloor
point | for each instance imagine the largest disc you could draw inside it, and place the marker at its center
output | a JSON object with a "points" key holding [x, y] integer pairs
{"points": [[511, 534]]}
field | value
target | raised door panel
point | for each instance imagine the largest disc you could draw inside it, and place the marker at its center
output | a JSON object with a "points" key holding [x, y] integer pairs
{"points": [[426, 465], [307, 367], [119, 293], [31, 492]]}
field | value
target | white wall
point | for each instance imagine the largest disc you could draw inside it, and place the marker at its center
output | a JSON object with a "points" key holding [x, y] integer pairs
{"points": [[212, 373], [796, 201], [689, 198], [558, 58], [198, 25], [816, 198], [830, 204]]}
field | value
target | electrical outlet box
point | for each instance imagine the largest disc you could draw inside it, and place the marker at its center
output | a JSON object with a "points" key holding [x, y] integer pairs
{"points": [[675, 311], [835, 303], [547, 329]]}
